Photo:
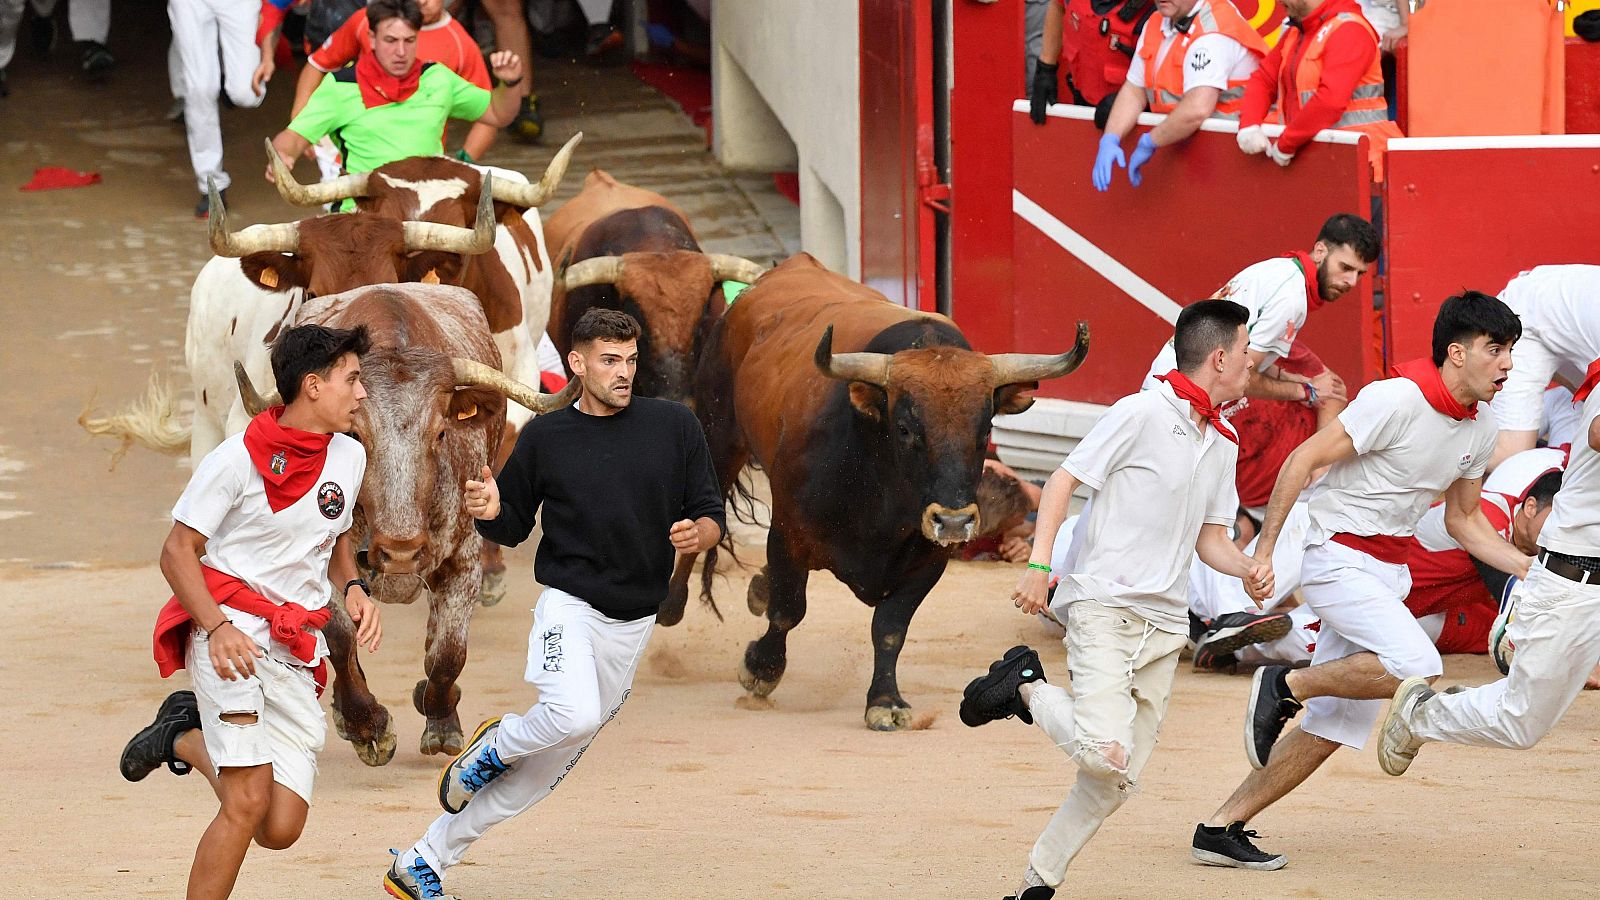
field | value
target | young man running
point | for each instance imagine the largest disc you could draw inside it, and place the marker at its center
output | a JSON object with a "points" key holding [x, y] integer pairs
{"points": [[624, 483], [258, 545], [1160, 464]]}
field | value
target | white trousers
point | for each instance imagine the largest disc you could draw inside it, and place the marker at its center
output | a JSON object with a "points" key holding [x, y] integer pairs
{"points": [[1556, 630], [1213, 594], [90, 20], [203, 30], [1121, 668], [583, 664]]}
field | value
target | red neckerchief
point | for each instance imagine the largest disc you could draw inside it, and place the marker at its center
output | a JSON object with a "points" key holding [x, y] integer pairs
{"points": [[1590, 379], [1308, 269], [288, 459], [1186, 389], [379, 87], [1427, 377]]}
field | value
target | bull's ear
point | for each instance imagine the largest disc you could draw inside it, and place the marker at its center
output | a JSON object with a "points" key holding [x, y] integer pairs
{"points": [[273, 271], [475, 405], [1010, 399], [431, 267], [868, 399]]}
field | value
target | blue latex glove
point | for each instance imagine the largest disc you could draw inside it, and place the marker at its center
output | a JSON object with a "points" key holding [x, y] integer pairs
{"points": [[659, 35], [1142, 152], [1110, 154]]}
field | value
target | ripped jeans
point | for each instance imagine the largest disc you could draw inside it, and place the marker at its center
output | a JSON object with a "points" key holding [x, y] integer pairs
{"points": [[1122, 669]]}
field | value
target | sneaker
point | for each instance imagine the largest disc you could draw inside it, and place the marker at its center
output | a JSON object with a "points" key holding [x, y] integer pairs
{"points": [[994, 696], [202, 210], [417, 881], [97, 60], [1271, 707], [42, 34], [152, 746], [528, 126], [175, 111], [602, 40], [1501, 648], [1234, 631], [1397, 746], [1232, 846], [473, 767], [1197, 629], [1036, 892]]}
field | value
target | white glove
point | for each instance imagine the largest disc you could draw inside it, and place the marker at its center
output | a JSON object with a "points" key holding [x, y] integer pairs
{"points": [[1282, 159], [1252, 140]]}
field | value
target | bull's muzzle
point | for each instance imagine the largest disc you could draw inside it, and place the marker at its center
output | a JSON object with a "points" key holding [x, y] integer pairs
{"points": [[395, 556], [944, 525]]}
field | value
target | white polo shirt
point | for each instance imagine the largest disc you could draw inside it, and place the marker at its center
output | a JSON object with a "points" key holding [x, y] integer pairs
{"points": [[1212, 60], [1274, 291], [283, 555], [1560, 308], [1574, 524], [1408, 453], [1156, 479]]}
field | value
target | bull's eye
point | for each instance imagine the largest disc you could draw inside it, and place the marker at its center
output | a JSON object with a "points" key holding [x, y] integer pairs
{"points": [[441, 435], [905, 432]]}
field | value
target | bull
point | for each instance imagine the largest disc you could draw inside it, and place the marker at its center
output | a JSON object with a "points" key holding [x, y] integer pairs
{"points": [[873, 453], [434, 415], [624, 247]]}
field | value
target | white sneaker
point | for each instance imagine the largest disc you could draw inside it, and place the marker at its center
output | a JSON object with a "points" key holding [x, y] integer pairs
{"points": [[1501, 648], [1397, 745]]}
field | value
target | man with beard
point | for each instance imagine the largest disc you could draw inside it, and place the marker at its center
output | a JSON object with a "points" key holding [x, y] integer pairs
{"points": [[624, 483]]}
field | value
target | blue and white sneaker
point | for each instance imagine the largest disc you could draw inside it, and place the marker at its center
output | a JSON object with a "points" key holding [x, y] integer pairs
{"points": [[1501, 648], [473, 767], [415, 881]]}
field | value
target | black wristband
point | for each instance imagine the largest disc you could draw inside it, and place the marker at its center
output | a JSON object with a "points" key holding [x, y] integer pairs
{"points": [[505, 83], [353, 582]]}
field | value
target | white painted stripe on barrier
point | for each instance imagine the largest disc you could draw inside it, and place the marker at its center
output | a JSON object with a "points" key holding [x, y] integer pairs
{"points": [[1222, 126], [1109, 268], [1498, 142]]}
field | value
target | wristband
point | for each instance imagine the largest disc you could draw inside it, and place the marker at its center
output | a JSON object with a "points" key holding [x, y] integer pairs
{"points": [[353, 582], [1039, 566], [1311, 394], [505, 83], [218, 628]]}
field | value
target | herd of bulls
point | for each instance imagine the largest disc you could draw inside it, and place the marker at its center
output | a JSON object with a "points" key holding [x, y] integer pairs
{"points": [[870, 420]]}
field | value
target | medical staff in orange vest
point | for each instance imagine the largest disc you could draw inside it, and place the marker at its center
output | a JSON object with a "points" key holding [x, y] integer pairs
{"points": [[1324, 73], [1192, 62]]}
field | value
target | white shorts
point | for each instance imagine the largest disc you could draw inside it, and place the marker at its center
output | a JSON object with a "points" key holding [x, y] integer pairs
{"points": [[289, 730], [1361, 602]]}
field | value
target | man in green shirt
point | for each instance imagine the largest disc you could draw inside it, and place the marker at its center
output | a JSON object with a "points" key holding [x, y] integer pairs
{"points": [[388, 106]]}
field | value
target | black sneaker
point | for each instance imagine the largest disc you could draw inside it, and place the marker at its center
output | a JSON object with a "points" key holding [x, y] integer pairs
{"points": [[1197, 629], [994, 696], [97, 60], [1231, 846], [1271, 707], [202, 210], [153, 745], [1226, 634], [528, 126], [1037, 892]]}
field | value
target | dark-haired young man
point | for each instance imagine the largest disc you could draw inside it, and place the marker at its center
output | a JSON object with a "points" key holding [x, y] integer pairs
{"points": [[1399, 445], [258, 543], [623, 484], [1159, 464]]}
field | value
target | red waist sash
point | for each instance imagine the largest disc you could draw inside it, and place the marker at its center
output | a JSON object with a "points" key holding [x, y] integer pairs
{"points": [[1384, 547], [291, 624]]}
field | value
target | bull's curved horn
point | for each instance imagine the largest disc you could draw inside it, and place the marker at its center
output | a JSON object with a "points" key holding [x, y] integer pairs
{"points": [[342, 188], [450, 239], [734, 268], [530, 195], [588, 272], [872, 368], [284, 238], [1014, 368], [254, 403], [472, 372]]}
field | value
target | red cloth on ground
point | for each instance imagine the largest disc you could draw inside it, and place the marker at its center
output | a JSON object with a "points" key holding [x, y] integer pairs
{"points": [[1186, 389], [686, 86], [1346, 58], [51, 178], [1427, 377], [379, 87], [289, 460], [292, 624]]}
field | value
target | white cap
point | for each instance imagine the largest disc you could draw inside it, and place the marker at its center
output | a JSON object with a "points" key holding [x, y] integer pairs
{"points": [[1516, 475]]}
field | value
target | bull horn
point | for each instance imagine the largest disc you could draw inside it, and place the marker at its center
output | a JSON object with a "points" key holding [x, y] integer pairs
{"points": [[342, 188], [1015, 368], [531, 195], [733, 268], [284, 238], [254, 403], [450, 239], [588, 272], [872, 368], [471, 372]]}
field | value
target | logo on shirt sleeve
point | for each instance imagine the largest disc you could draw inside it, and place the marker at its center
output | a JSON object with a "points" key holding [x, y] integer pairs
{"points": [[1199, 61], [330, 500]]}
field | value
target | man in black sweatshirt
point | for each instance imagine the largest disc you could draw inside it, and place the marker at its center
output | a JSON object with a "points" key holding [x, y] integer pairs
{"points": [[625, 484]]}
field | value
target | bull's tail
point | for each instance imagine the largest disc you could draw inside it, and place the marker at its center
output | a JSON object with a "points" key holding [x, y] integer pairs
{"points": [[743, 501], [149, 422], [708, 571]]}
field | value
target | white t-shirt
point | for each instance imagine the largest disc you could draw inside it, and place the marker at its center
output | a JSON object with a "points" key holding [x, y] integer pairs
{"points": [[1560, 307], [1156, 479], [1408, 453], [1274, 291], [1212, 60], [282, 556], [1574, 524], [1503, 491]]}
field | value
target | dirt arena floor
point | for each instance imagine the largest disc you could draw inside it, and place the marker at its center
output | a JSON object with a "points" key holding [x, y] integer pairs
{"points": [[688, 793]]}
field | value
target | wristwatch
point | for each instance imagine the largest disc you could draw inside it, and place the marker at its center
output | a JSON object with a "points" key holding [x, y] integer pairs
{"points": [[352, 583]]}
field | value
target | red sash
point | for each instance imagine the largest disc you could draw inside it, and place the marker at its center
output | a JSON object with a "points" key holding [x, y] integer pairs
{"points": [[292, 625], [1382, 547]]}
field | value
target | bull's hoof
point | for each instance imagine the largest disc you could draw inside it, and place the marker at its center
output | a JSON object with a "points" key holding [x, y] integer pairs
{"points": [[339, 727], [888, 718], [758, 687], [377, 752], [759, 594], [492, 589], [442, 737]]}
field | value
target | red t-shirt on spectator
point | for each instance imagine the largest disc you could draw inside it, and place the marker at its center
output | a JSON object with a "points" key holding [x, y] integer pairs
{"points": [[444, 42], [1269, 430]]}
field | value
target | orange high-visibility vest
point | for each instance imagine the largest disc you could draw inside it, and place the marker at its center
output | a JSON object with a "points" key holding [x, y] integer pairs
{"points": [[1367, 111], [1163, 82]]}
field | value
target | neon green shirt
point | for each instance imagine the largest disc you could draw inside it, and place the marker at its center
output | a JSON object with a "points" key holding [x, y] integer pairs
{"points": [[368, 138]]}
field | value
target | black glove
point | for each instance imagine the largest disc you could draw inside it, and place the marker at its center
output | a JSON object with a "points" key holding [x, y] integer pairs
{"points": [[1044, 90]]}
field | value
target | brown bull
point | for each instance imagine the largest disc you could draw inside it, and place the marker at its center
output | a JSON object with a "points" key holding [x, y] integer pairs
{"points": [[623, 247], [873, 453]]}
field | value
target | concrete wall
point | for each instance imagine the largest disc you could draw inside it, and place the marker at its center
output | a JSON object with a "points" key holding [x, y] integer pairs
{"points": [[786, 97]]}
